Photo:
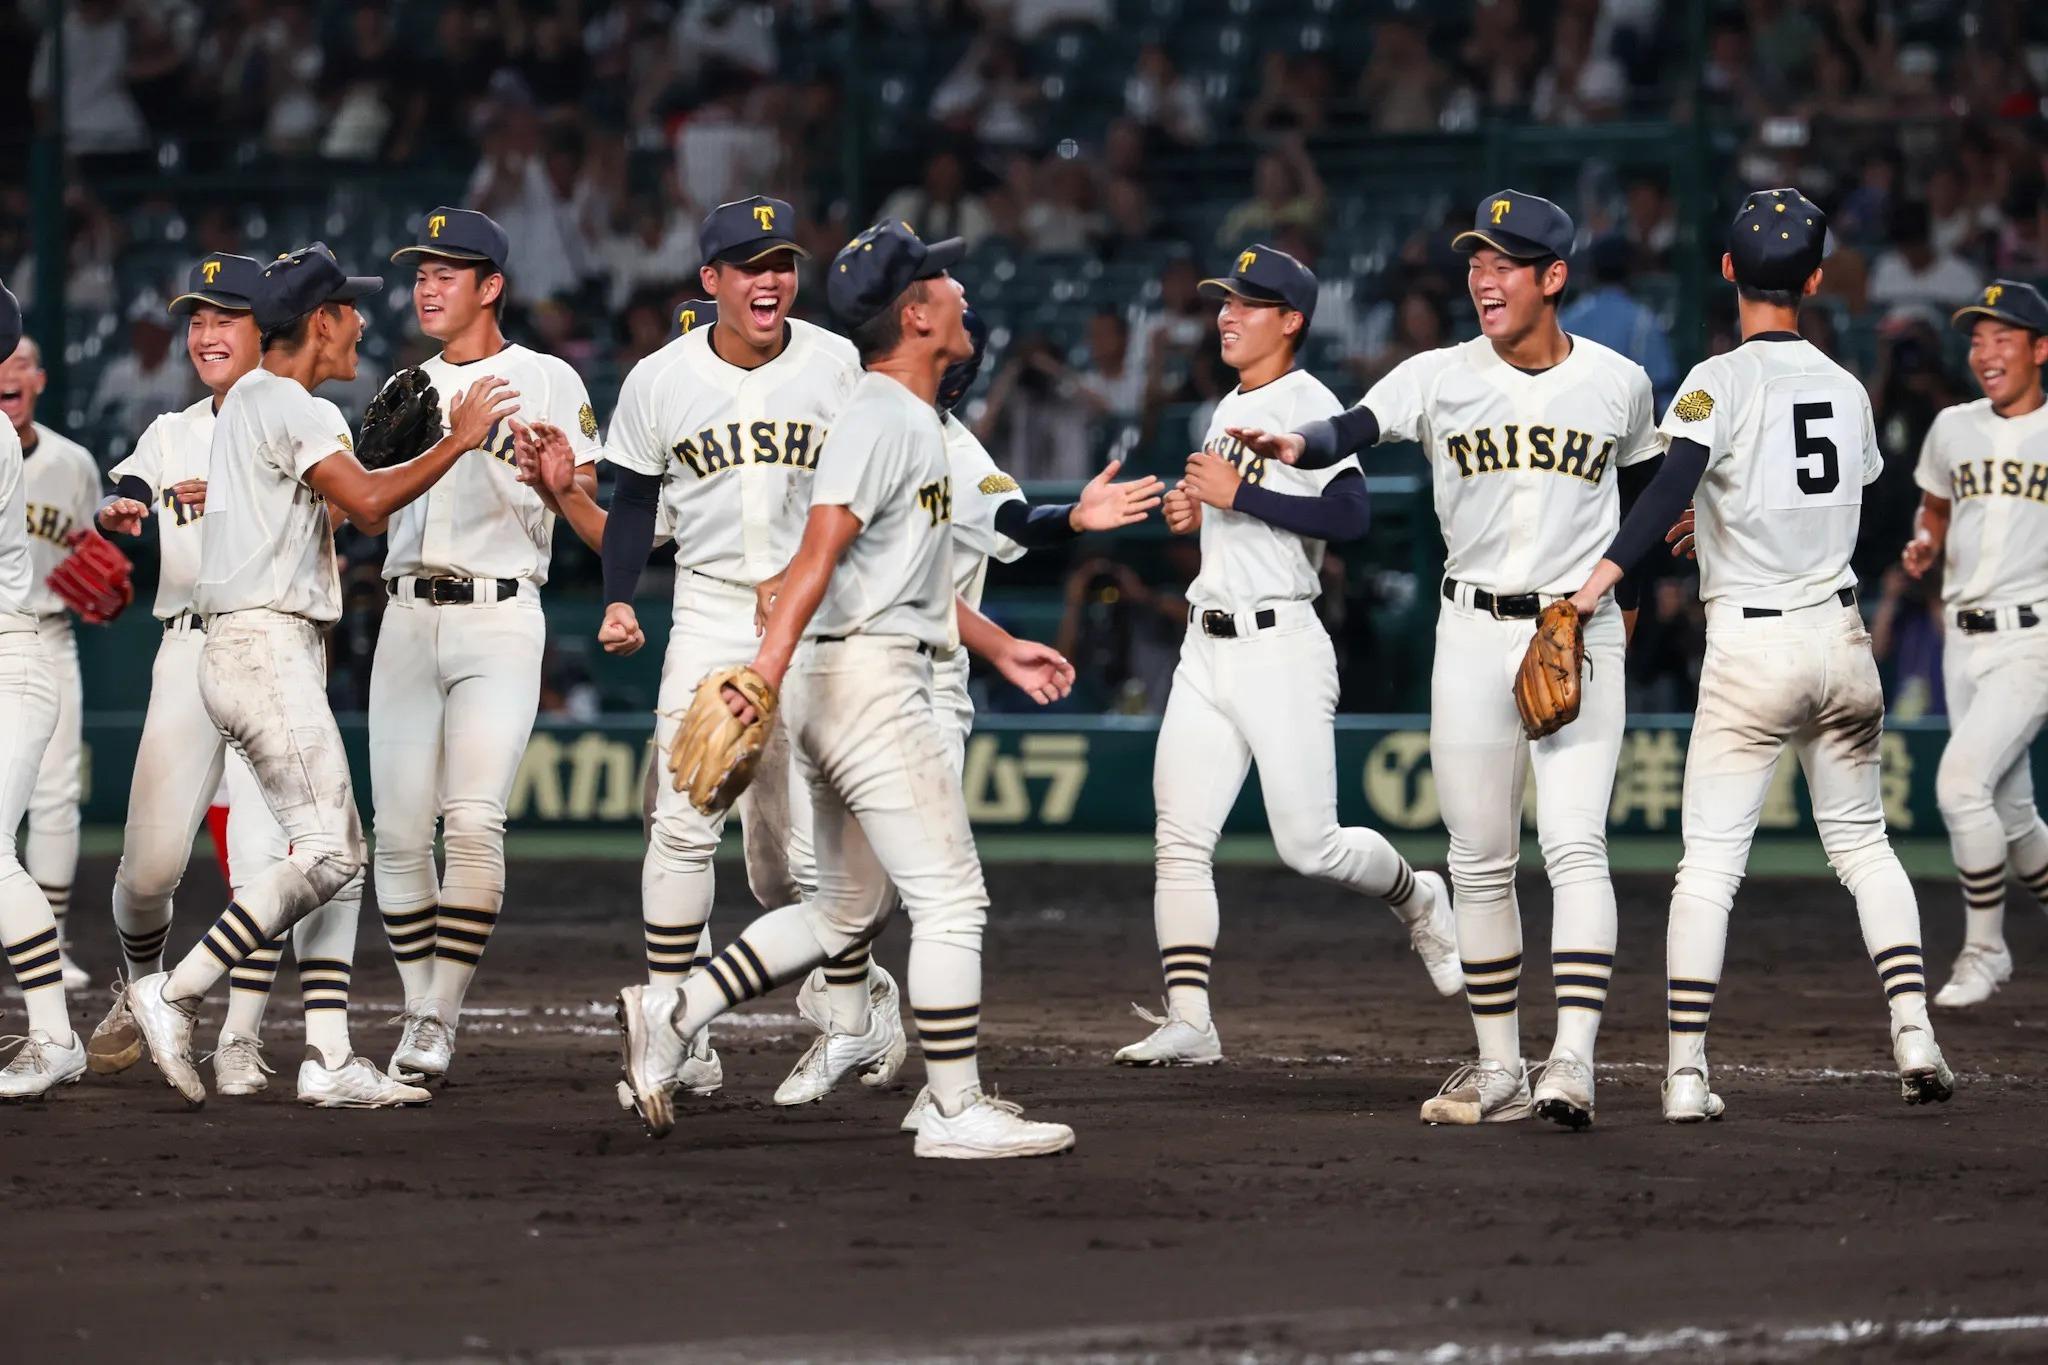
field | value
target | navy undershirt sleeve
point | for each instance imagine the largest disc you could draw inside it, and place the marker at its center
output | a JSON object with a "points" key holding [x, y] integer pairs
{"points": [[1035, 527], [1340, 512], [133, 486], [1330, 439], [1656, 507], [629, 533]]}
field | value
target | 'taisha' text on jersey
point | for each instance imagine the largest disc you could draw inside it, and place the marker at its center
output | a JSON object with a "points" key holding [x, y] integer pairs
{"points": [[937, 500], [49, 523], [2003, 478], [1550, 449], [1251, 468], [794, 444]]}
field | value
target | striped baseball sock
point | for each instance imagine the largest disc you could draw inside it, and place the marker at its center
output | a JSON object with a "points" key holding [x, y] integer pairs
{"points": [[1902, 971], [1582, 936], [460, 936], [945, 1001], [1187, 925], [779, 946], [410, 932], [846, 988], [1401, 897], [29, 935], [1695, 948], [143, 933], [2027, 856], [249, 989], [236, 935], [1889, 918], [59, 897], [323, 989], [1688, 1005], [671, 951], [1490, 951], [1983, 905]]}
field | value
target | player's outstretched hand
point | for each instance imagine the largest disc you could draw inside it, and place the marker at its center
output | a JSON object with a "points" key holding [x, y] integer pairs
{"points": [[1284, 446], [1106, 506], [1680, 538], [620, 634], [123, 516], [544, 456], [478, 409], [1041, 671], [1919, 555], [1183, 514], [1211, 479]]}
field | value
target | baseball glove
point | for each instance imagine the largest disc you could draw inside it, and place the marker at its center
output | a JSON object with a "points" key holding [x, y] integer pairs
{"points": [[1547, 685], [402, 421], [714, 753], [94, 580]]}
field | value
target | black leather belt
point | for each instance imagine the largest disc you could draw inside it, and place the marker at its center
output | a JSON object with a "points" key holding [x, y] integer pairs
{"points": [[1975, 622], [1520, 606], [1222, 625], [927, 650], [189, 619], [1847, 597], [449, 592]]}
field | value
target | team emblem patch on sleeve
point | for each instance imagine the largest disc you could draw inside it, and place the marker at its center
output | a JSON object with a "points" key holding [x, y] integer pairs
{"points": [[997, 483], [1696, 406], [346, 443], [587, 420]]}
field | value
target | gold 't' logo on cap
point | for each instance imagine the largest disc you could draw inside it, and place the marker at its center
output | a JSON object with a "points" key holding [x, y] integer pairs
{"points": [[764, 214], [435, 224], [1244, 262], [211, 270], [687, 319], [1499, 209], [1991, 293]]}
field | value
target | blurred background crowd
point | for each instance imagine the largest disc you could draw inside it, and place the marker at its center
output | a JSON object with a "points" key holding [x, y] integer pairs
{"points": [[1100, 156]]}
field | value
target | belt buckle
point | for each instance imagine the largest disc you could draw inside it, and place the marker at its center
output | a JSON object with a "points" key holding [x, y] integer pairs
{"points": [[1219, 625], [434, 588], [1493, 606]]}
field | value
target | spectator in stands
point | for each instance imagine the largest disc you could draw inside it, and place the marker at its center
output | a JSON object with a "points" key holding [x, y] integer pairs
{"points": [[101, 117], [941, 205], [715, 39], [466, 49], [650, 251], [530, 184], [727, 148], [1403, 83], [1061, 216], [1123, 635], [149, 379], [1650, 224], [1034, 422], [1405, 327], [290, 62], [551, 60], [1866, 210], [2023, 245], [1158, 97], [1579, 85], [1176, 323], [372, 93], [1911, 271], [1029, 18], [1111, 385], [987, 96], [647, 322], [1499, 58], [1608, 314], [1293, 96], [1285, 191]]}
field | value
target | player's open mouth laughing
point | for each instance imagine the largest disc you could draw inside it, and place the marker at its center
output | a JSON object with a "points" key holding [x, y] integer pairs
{"points": [[763, 306], [213, 355], [1492, 307]]}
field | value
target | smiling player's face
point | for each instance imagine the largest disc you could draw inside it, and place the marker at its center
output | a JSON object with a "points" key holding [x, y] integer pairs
{"points": [[448, 297], [754, 297], [1250, 331], [21, 380], [340, 331], [222, 344], [948, 311], [2006, 360], [1507, 293]]}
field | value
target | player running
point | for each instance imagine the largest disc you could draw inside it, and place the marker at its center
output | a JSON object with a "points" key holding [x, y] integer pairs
{"points": [[1257, 680], [268, 588], [1786, 440], [1983, 476], [61, 489], [455, 684], [51, 1052], [869, 599], [1524, 427]]}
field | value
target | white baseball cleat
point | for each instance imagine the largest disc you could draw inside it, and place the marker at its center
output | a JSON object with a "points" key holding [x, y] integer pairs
{"points": [[166, 1029], [76, 978], [876, 1054], [986, 1128], [1434, 936], [701, 1073], [238, 1066], [1924, 1078], [116, 1044], [1687, 1098], [1484, 1091], [40, 1065], [1979, 971], [918, 1108], [1173, 1042], [426, 1045], [355, 1084], [1564, 1095], [653, 1053]]}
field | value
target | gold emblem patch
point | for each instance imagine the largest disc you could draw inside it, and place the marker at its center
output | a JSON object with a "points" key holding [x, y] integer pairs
{"points": [[1244, 262], [346, 443], [1991, 293], [1696, 406], [587, 420], [997, 483]]}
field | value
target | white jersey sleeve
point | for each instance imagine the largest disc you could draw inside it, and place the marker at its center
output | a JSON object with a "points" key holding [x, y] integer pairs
{"points": [[173, 448], [630, 442], [14, 555], [146, 461], [265, 541], [979, 489], [1400, 401], [1931, 473]]}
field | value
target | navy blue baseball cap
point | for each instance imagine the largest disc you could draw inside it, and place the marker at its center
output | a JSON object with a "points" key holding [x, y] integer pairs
{"points": [[220, 281], [2009, 301], [695, 314], [1777, 240], [748, 229], [1266, 274], [1527, 227], [10, 322], [960, 375], [460, 235], [299, 281], [872, 269]]}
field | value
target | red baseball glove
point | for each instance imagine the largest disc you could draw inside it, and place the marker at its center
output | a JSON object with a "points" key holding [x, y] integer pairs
{"points": [[95, 580]]}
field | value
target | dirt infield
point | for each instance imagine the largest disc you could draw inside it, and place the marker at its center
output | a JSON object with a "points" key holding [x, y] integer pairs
{"points": [[1286, 1203]]}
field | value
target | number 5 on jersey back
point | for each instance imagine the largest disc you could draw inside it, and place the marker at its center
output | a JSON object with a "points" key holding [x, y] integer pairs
{"points": [[1812, 448]]}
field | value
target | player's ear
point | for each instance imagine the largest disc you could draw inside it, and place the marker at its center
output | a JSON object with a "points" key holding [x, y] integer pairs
{"points": [[1812, 285], [707, 275], [1291, 325], [2041, 349], [493, 289], [1727, 267], [1554, 276]]}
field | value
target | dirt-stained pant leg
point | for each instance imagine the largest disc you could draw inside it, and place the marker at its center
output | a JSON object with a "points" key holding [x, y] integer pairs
{"points": [[51, 853], [28, 929], [1997, 699]]}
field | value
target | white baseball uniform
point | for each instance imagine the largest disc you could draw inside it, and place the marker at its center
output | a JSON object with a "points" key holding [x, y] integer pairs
{"points": [[60, 481], [30, 697], [979, 488], [180, 756], [735, 450], [1791, 445], [456, 681], [1994, 473], [1522, 467], [1256, 683]]}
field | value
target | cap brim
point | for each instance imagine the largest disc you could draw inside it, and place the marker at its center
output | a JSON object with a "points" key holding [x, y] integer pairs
{"points": [[1506, 243], [444, 253], [939, 257], [186, 303], [1977, 310], [746, 253], [356, 287], [1236, 289]]}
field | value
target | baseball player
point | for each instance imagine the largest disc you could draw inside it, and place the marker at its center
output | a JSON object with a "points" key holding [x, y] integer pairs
{"points": [[61, 490], [267, 588], [455, 684], [1983, 475], [869, 598], [1253, 640], [991, 520], [1786, 440], [1524, 426], [717, 435], [179, 759], [51, 1054]]}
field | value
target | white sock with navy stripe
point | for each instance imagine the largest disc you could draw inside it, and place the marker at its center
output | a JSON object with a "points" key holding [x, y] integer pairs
{"points": [[28, 931], [1187, 924], [1582, 938]]}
